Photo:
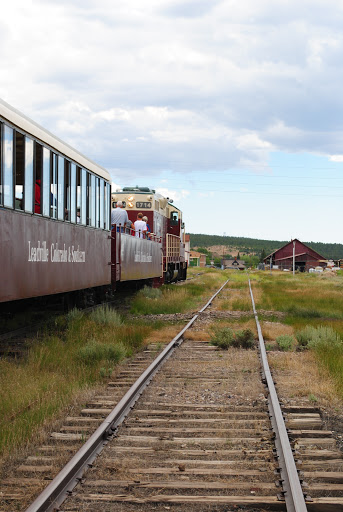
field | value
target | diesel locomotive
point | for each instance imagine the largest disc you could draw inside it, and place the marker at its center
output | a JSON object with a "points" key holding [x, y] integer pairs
{"points": [[55, 228]]}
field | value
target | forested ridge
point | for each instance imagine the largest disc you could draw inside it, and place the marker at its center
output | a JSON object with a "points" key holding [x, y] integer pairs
{"points": [[254, 245]]}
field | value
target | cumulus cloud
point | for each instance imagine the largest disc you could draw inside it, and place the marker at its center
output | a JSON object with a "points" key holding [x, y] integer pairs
{"points": [[164, 85], [175, 195]]}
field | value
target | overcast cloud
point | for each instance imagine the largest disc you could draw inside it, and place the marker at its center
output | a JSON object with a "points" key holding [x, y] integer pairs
{"points": [[178, 85], [145, 87]]}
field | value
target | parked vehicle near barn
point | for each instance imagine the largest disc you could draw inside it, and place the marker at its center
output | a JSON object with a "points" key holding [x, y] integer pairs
{"points": [[55, 231]]}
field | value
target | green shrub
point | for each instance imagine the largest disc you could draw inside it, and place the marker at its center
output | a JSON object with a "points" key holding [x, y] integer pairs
{"points": [[106, 316], [151, 293], [105, 373], [311, 337], [244, 338], [74, 315], [222, 338], [93, 352], [226, 337], [285, 342]]}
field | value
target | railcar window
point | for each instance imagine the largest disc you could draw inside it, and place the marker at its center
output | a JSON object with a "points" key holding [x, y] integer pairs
{"points": [[28, 194], [73, 193], [78, 195], [107, 209], [19, 171], [174, 218], [89, 193], [1, 163], [102, 204], [97, 202], [53, 186], [67, 191], [84, 196], [46, 182], [7, 151], [60, 188], [38, 164], [92, 200]]}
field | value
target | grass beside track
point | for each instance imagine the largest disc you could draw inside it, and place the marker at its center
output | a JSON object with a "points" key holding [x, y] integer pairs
{"points": [[307, 300], [181, 298], [79, 352]]}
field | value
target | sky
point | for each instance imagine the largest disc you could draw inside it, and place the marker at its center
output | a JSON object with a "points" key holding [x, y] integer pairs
{"points": [[232, 108]]}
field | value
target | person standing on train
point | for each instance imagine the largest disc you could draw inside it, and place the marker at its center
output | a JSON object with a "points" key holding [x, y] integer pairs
{"points": [[38, 197], [140, 226], [145, 218], [119, 216]]}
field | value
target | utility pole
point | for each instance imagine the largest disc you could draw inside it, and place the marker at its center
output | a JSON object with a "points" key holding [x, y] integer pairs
{"points": [[223, 266], [293, 257]]}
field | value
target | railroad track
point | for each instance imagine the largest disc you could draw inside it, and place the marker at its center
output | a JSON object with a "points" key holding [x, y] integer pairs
{"points": [[200, 435]]}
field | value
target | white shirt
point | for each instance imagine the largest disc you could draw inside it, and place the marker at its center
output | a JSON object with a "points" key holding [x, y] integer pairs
{"points": [[140, 226], [119, 216]]}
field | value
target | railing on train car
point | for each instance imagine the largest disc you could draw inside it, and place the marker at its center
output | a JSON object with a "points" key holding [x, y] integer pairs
{"points": [[132, 232], [116, 250], [172, 249]]}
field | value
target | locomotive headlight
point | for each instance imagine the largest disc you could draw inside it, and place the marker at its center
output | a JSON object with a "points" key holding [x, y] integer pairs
{"points": [[131, 198], [130, 205]]}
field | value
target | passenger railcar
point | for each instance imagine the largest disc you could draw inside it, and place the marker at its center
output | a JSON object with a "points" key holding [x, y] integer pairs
{"points": [[54, 213], [55, 231]]}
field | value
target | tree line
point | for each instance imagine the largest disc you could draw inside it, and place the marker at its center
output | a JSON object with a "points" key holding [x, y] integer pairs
{"points": [[251, 246]]}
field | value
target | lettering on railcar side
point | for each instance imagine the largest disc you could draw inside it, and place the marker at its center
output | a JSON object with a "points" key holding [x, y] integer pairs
{"points": [[57, 253], [39, 253], [143, 258]]}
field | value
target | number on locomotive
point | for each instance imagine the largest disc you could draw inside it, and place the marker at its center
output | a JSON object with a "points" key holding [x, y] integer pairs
{"points": [[143, 204]]}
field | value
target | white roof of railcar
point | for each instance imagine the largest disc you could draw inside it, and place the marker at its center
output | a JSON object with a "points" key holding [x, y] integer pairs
{"points": [[31, 127]]}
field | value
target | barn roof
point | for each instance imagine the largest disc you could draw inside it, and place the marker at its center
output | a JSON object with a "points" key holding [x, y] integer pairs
{"points": [[308, 250]]}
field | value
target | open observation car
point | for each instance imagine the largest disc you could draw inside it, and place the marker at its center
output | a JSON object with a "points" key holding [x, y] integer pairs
{"points": [[165, 222]]}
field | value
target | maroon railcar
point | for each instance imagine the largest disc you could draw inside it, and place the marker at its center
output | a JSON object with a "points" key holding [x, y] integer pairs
{"points": [[54, 213], [55, 231], [165, 222]]}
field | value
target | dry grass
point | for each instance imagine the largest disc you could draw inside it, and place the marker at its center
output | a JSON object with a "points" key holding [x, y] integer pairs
{"points": [[271, 330], [298, 375], [197, 335], [165, 334]]}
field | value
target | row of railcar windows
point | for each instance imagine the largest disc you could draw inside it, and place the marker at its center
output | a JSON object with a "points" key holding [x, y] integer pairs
{"points": [[34, 179]]}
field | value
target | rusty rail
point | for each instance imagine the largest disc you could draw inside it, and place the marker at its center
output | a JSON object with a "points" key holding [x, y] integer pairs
{"points": [[292, 491]]}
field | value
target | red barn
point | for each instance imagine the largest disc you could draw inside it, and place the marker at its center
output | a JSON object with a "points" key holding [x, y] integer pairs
{"points": [[304, 256]]}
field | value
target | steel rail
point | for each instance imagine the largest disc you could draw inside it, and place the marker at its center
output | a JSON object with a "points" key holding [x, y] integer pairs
{"points": [[293, 493], [63, 484]]}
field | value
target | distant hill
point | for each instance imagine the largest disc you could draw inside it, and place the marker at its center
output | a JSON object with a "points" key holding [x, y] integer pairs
{"points": [[255, 246]]}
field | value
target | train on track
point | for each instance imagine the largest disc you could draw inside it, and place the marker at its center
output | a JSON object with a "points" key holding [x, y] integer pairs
{"points": [[55, 221]]}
